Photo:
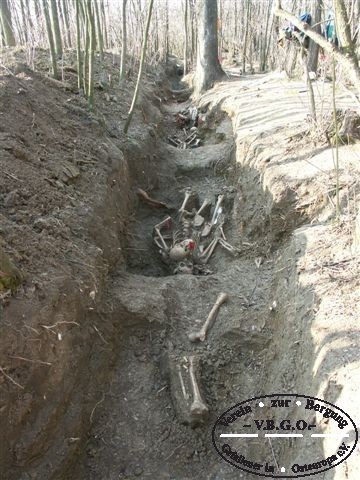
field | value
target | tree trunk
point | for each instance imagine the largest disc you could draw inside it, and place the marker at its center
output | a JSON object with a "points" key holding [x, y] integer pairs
{"points": [[208, 68], [56, 28], [100, 37], [6, 23], [245, 40], [123, 43], [86, 49], [264, 45], [141, 68], [103, 21], [186, 37], [50, 38], [343, 30], [78, 44], [92, 44], [314, 48], [23, 21], [66, 21], [166, 48]]}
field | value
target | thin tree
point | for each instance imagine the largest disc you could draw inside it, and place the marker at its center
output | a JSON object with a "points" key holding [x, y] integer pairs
{"points": [[6, 24], [265, 39], [92, 43], [246, 35], [186, 37], [86, 47], [56, 27], [166, 32], [78, 44], [123, 43], [24, 23], [336, 140], [314, 48], [65, 12], [100, 38], [141, 68], [50, 38], [208, 68]]}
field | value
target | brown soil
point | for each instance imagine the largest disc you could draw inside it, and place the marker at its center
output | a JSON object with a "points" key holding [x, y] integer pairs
{"points": [[84, 393]]}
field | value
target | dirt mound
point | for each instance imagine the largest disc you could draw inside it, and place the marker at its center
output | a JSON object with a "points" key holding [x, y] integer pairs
{"points": [[65, 199]]}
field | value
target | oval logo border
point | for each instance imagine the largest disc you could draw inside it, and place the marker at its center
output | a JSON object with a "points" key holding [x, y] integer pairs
{"points": [[294, 395]]}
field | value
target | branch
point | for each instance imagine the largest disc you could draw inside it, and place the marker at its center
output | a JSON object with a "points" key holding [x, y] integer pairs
{"points": [[329, 48]]}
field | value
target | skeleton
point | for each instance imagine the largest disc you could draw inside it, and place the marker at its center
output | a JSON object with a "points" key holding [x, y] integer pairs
{"points": [[184, 246], [201, 334]]}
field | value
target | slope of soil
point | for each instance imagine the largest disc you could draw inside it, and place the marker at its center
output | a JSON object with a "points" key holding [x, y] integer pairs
{"points": [[66, 197]]}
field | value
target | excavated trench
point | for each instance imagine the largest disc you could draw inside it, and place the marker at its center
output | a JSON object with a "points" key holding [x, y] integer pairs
{"points": [[148, 313]]}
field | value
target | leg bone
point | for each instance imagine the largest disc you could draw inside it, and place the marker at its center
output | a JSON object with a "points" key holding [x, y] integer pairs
{"points": [[198, 409], [201, 334], [205, 256]]}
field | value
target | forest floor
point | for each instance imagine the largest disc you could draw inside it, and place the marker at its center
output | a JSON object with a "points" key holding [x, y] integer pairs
{"points": [[86, 339]]}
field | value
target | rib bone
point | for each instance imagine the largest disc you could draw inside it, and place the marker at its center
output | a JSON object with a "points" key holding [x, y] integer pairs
{"points": [[198, 409], [201, 334]]}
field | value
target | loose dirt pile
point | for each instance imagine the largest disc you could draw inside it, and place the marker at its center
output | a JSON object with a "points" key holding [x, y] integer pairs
{"points": [[95, 329]]}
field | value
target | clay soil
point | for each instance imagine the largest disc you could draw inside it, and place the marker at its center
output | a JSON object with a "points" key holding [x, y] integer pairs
{"points": [[84, 388]]}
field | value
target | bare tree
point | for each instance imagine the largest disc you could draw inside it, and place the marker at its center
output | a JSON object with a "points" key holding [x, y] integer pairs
{"points": [[6, 24], [186, 48], [78, 45], [141, 68], [92, 41], [56, 27], [50, 38], [314, 47], [208, 68], [245, 39], [123, 42], [100, 38]]}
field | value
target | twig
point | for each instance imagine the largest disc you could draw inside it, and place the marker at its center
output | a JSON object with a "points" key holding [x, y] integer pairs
{"points": [[48, 327], [93, 410], [100, 335], [30, 360], [10, 175], [172, 453], [11, 379]]}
